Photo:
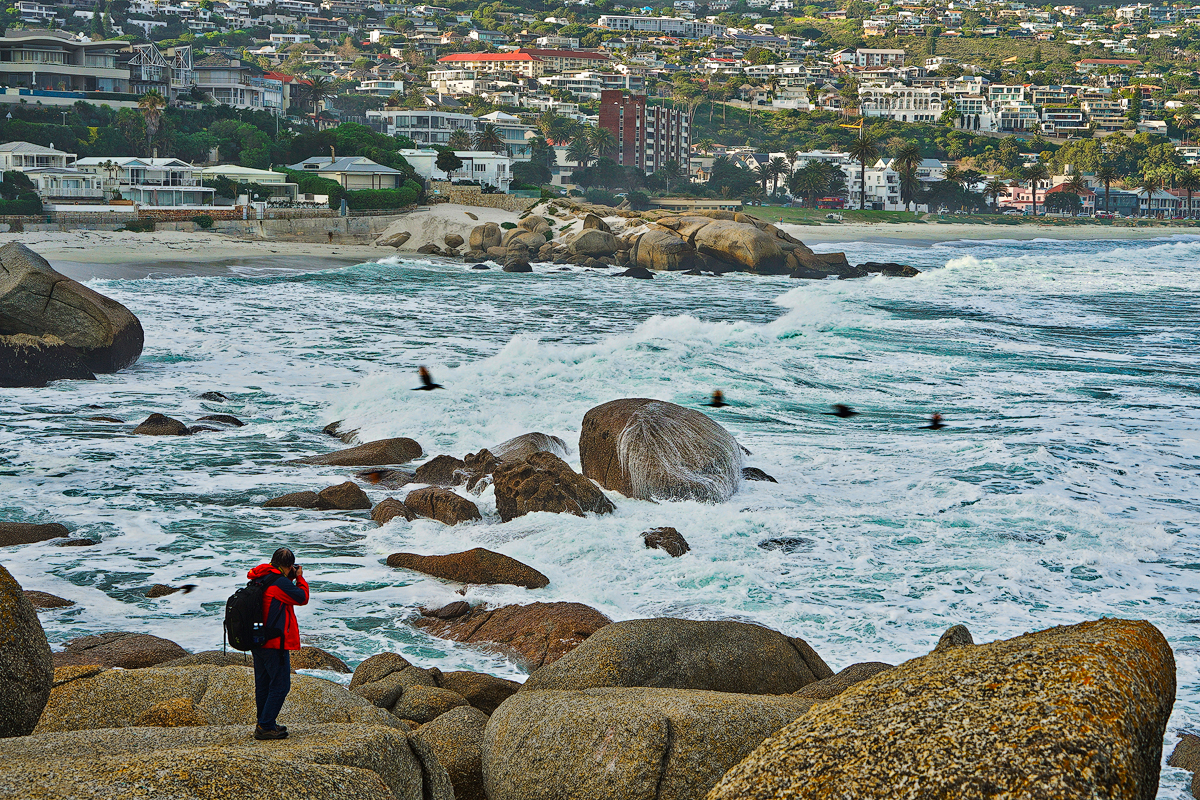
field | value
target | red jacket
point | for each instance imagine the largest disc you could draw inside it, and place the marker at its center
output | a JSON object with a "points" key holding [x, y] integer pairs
{"points": [[278, 602]]}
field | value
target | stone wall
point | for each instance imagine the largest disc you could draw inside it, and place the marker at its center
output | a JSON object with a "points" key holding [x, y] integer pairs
{"points": [[473, 196], [339, 230]]}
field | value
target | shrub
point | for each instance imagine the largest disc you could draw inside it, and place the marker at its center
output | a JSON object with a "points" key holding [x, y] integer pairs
{"points": [[381, 198], [25, 205], [139, 226], [639, 201], [508, 226], [549, 235], [203, 220]]}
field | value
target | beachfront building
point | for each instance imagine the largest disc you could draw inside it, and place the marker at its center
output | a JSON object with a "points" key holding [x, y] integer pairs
{"points": [[52, 172], [352, 172], [275, 185], [429, 127], [151, 182], [57, 69], [478, 165], [882, 187], [648, 136]]}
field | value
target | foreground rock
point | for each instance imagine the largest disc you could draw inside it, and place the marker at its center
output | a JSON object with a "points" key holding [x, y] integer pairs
{"points": [[651, 449], [456, 738], [434, 502], [667, 539], [34, 361], [1070, 712], [115, 698], [522, 447], [12, 533], [372, 454], [544, 482], [851, 675], [664, 744], [344, 497], [161, 425], [536, 634], [118, 649], [45, 600], [686, 654], [473, 566], [484, 692], [25, 667], [97, 334], [348, 762], [390, 508]]}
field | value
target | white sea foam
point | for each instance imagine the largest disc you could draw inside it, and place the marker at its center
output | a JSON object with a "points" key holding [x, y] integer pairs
{"points": [[1065, 487]]}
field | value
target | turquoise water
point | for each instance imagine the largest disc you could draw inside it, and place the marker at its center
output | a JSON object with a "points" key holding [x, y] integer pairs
{"points": [[1064, 488]]}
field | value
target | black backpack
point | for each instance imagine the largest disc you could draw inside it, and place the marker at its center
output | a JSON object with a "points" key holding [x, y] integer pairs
{"points": [[244, 626]]}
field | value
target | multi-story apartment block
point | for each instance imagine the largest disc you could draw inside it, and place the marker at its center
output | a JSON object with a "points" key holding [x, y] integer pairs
{"points": [[568, 60], [54, 60], [230, 83], [1106, 115], [478, 165], [517, 63], [169, 73], [901, 103], [35, 13], [647, 136], [670, 26], [875, 57], [434, 127]]}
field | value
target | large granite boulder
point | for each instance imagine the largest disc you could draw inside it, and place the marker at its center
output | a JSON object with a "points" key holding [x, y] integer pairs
{"points": [[161, 425], [348, 762], [654, 450], [1066, 713], [661, 249], [665, 744], [116, 698], [37, 300], [544, 482], [456, 738], [850, 676], [477, 565], [743, 246], [484, 692], [25, 668], [593, 242], [372, 454], [436, 502], [669, 653], [484, 236], [536, 634], [522, 447], [34, 361], [390, 239], [12, 533], [118, 649]]}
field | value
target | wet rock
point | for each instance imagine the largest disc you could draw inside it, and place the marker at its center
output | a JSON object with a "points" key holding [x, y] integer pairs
{"points": [[593, 242], [666, 744], [635, 272], [224, 419], [25, 667], [76, 543], [118, 649], [544, 482], [162, 590], [453, 240], [294, 500], [441, 471], [756, 474], [650, 449], [522, 447], [194, 429], [426, 703], [445, 506], [106, 419], [389, 509], [343, 497], [214, 397], [35, 361], [38, 301], [308, 657], [833, 686], [889, 269], [480, 266], [517, 264], [1186, 755], [667, 539], [335, 430], [1076, 711], [13, 533], [686, 654], [955, 636], [178, 712], [478, 469], [386, 478], [372, 454], [450, 611], [786, 544], [397, 239], [456, 738], [536, 634], [161, 425], [473, 566], [43, 600], [484, 692]]}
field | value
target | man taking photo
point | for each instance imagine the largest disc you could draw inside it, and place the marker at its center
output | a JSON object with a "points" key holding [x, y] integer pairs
{"points": [[285, 589]]}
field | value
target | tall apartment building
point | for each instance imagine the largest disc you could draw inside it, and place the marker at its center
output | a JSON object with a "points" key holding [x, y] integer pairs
{"points": [[668, 26], [647, 136]]}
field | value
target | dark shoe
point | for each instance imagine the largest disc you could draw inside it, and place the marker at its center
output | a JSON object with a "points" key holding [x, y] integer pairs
{"points": [[282, 728], [263, 734]]}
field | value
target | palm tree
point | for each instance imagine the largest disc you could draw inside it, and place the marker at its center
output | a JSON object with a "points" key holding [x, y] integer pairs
{"points": [[762, 173], [779, 169], [151, 105], [1189, 181], [863, 149], [1075, 184], [1035, 173], [1185, 118], [603, 141], [671, 171], [459, 139], [810, 181], [705, 146], [489, 138], [317, 91], [993, 189], [1150, 183], [1106, 174], [581, 151]]}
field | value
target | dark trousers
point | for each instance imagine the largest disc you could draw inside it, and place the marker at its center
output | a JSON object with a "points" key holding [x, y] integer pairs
{"points": [[272, 682]]}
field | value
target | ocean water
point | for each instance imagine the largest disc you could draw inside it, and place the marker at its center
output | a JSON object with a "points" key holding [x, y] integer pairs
{"points": [[1065, 487]]}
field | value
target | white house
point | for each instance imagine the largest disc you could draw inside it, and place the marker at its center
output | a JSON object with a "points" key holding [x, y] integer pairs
{"points": [[52, 172], [483, 166], [155, 182]]}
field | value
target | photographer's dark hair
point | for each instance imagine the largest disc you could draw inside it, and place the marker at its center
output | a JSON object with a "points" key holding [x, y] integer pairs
{"points": [[283, 558]]}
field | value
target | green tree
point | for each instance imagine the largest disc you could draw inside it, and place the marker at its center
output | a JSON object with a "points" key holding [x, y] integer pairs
{"points": [[1106, 173], [863, 149], [448, 162], [581, 151], [993, 189], [1035, 173], [459, 139], [151, 104], [1189, 181], [489, 138]]}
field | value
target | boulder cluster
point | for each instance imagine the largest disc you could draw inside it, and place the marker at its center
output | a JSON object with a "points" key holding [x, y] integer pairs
{"points": [[655, 708]]}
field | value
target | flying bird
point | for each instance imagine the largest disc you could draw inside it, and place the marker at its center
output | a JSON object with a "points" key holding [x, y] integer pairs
{"points": [[718, 400], [843, 411], [935, 423], [427, 384]]}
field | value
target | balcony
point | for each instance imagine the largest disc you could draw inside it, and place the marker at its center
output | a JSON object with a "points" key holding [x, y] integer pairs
{"points": [[53, 193]]}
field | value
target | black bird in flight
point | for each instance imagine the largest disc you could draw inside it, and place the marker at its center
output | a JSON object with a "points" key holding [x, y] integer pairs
{"points": [[427, 384], [843, 411], [718, 400], [935, 423]]}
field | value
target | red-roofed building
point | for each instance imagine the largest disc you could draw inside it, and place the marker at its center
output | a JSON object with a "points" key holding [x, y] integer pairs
{"points": [[568, 60], [519, 63], [292, 93]]}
